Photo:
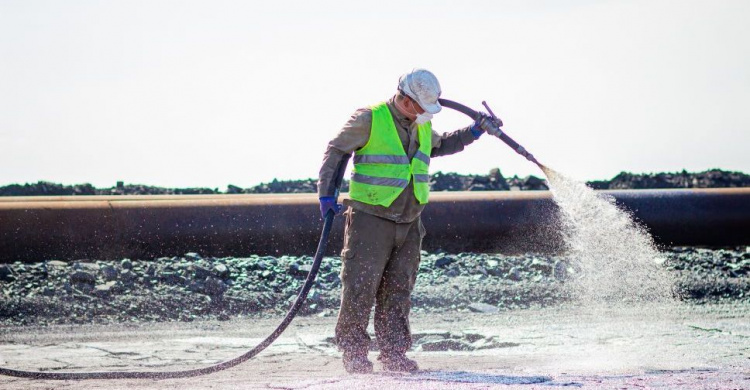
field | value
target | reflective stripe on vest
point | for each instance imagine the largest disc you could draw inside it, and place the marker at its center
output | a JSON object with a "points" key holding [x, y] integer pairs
{"points": [[423, 157], [382, 169], [381, 159], [380, 181], [422, 178]]}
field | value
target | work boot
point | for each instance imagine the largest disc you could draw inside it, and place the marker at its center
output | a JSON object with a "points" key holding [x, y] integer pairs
{"points": [[398, 363], [357, 363]]}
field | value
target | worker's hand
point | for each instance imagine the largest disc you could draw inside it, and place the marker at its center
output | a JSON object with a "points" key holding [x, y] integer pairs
{"points": [[485, 123], [328, 203]]}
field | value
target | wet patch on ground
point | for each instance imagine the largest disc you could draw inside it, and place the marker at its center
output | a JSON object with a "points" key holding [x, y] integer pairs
{"points": [[476, 377], [443, 341], [628, 346]]}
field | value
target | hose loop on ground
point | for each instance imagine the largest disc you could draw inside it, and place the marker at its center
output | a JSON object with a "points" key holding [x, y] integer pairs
{"points": [[328, 222]]}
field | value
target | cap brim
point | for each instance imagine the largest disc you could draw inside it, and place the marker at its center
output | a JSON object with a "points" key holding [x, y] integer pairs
{"points": [[433, 108]]}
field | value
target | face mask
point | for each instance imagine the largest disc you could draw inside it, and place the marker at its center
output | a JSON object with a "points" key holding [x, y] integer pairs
{"points": [[423, 118]]}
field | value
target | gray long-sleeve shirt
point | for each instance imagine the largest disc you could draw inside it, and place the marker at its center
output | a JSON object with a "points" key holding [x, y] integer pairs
{"points": [[355, 134]]}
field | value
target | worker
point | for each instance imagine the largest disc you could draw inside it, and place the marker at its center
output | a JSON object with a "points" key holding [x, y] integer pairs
{"points": [[392, 143]]}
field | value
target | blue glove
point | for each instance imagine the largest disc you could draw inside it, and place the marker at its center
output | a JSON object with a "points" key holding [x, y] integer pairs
{"points": [[476, 131], [328, 203]]}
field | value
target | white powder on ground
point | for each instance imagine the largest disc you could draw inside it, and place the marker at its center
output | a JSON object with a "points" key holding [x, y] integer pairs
{"points": [[614, 258]]}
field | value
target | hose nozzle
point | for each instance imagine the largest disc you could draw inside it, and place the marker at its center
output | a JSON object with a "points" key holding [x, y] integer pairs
{"points": [[499, 134], [505, 138]]}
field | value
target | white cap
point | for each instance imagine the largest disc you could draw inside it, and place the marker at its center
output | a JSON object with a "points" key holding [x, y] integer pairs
{"points": [[423, 87]]}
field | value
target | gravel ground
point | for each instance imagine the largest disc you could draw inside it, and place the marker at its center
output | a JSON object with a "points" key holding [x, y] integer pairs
{"points": [[192, 287]]}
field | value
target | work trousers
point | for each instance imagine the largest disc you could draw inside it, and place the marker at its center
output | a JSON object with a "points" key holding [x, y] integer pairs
{"points": [[380, 261]]}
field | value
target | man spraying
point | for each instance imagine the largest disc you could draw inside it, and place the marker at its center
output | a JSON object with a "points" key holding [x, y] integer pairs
{"points": [[393, 143]]}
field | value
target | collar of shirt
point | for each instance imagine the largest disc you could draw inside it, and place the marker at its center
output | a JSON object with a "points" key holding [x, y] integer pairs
{"points": [[397, 115], [406, 128]]}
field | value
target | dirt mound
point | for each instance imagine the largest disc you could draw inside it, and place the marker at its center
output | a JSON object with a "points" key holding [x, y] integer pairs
{"points": [[714, 178], [439, 181], [43, 188]]}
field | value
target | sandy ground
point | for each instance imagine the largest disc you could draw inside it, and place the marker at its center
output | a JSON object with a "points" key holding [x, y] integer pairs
{"points": [[666, 346]]}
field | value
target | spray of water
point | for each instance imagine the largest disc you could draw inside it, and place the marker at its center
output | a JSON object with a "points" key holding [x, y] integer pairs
{"points": [[614, 257]]}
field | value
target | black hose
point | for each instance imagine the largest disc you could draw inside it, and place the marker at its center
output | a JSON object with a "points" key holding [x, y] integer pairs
{"points": [[503, 137], [327, 223], [460, 108]]}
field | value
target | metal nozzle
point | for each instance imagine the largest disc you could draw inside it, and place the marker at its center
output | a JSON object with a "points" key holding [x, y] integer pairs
{"points": [[492, 114]]}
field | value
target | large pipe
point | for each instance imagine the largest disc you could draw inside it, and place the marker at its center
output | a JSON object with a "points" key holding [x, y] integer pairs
{"points": [[111, 227]]}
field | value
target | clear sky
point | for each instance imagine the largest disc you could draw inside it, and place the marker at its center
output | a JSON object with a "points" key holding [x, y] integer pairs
{"points": [[210, 93]]}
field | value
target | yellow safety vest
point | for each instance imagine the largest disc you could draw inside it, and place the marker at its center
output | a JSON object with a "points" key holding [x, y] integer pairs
{"points": [[381, 168]]}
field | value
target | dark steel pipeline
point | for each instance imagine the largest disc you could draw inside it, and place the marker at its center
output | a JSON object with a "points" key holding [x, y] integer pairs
{"points": [[114, 227]]}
